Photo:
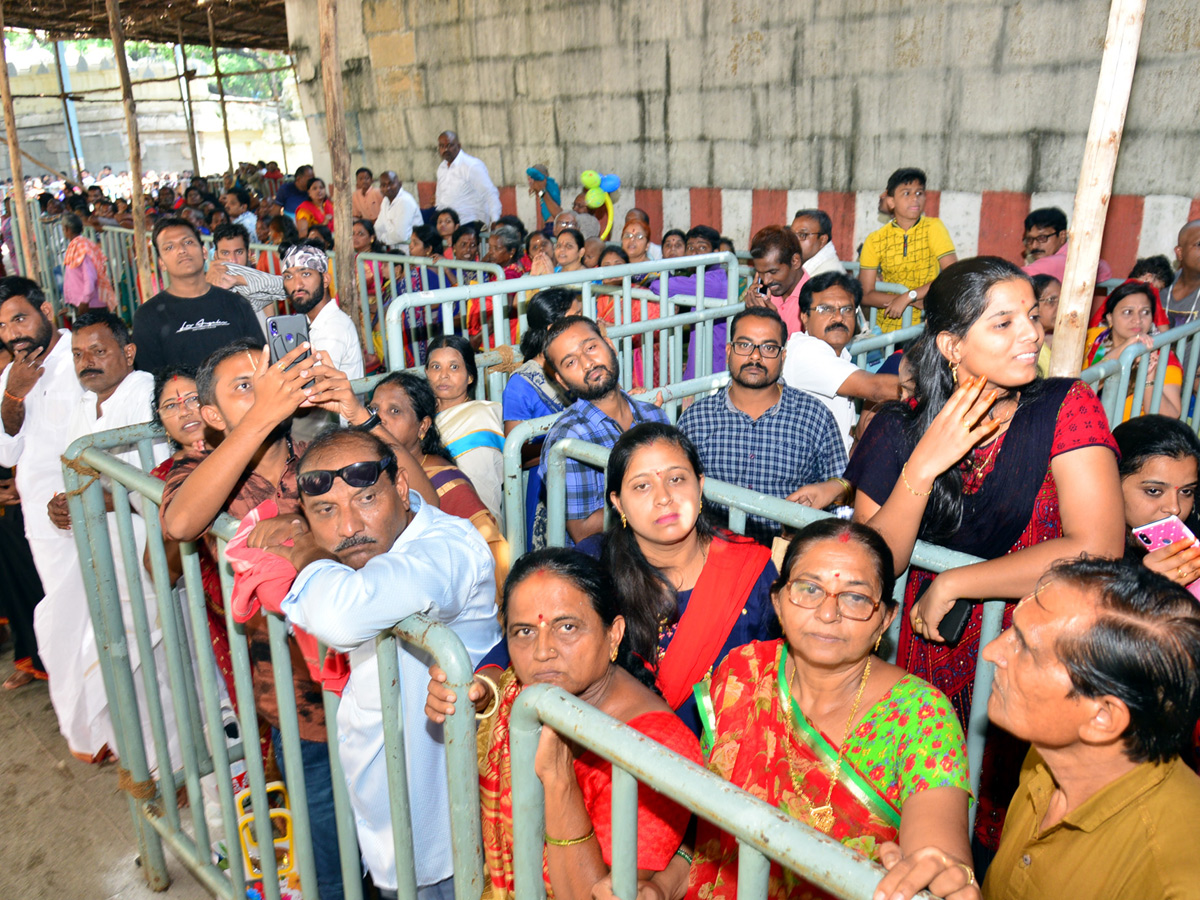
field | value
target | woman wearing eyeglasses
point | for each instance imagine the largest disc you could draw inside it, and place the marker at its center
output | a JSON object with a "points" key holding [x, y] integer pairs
{"points": [[819, 726], [1129, 314]]}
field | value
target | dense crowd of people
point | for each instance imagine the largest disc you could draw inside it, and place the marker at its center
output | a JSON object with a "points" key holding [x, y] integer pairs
{"points": [[759, 655]]}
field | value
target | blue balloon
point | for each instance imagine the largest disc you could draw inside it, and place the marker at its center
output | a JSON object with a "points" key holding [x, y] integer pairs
{"points": [[610, 183]]}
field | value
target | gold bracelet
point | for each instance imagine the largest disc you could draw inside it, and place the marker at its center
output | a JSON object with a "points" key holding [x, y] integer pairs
{"points": [[903, 468], [555, 842], [495, 704], [847, 487]]}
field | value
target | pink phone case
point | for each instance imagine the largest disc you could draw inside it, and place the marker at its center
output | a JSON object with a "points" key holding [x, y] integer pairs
{"points": [[1155, 535]]}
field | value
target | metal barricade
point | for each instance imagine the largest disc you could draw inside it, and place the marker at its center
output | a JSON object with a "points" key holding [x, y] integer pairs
{"points": [[742, 502], [201, 718], [1119, 385]]}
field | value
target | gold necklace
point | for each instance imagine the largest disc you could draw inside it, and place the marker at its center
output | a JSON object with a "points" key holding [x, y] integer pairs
{"points": [[822, 816]]}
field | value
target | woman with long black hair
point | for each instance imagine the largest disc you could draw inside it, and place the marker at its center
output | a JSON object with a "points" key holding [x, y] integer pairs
{"points": [[989, 460]]}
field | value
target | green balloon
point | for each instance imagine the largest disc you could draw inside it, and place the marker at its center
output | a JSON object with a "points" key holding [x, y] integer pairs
{"points": [[595, 198], [590, 180]]}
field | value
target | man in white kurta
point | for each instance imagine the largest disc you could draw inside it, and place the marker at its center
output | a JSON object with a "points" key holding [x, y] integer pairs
{"points": [[464, 185]]}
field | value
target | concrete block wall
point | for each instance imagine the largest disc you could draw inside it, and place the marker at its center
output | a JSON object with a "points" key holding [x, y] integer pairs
{"points": [[755, 100]]}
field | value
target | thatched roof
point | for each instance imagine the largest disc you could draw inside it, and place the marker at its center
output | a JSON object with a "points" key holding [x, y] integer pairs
{"points": [[260, 24]]}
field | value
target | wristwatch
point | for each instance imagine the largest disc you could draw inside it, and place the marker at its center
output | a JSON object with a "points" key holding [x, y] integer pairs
{"points": [[371, 424], [912, 295], [541, 194]]}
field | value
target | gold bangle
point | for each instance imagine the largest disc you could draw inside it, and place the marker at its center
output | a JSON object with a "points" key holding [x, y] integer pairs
{"points": [[847, 487], [495, 704], [555, 842], [903, 469]]}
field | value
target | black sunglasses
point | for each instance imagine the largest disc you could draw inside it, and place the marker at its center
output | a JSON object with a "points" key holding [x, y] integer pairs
{"points": [[356, 475]]}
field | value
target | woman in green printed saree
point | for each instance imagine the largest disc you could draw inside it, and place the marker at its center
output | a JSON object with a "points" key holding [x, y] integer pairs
{"points": [[819, 727]]}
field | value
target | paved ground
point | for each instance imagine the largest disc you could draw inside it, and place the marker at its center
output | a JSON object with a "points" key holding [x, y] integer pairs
{"points": [[67, 832]]}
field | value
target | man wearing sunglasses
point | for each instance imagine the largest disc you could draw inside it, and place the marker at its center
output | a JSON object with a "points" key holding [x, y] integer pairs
{"points": [[757, 433], [369, 552], [251, 401]]}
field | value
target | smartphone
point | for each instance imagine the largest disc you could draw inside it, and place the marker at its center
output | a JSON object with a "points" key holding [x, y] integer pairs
{"points": [[1156, 535], [954, 623], [285, 334]]}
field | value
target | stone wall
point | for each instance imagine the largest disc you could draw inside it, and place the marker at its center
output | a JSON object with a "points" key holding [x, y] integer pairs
{"points": [[826, 94]]}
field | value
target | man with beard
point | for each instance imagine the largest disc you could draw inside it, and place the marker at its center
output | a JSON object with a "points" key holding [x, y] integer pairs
{"points": [[585, 364], [817, 359], [115, 396], [38, 385], [757, 433], [306, 283], [183, 324]]}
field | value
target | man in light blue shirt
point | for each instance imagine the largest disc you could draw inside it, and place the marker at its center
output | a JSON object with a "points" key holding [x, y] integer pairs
{"points": [[371, 553]]}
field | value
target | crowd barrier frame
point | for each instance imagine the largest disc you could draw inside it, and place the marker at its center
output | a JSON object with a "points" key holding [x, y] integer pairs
{"points": [[156, 818]]}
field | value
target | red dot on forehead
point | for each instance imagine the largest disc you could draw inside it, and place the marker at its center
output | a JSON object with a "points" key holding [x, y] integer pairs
{"points": [[844, 537]]}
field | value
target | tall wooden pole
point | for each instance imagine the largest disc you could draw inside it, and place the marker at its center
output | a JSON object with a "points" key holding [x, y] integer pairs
{"points": [[1095, 184], [68, 116], [14, 161], [339, 160], [137, 201], [185, 94], [212, 42], [279, 122]]}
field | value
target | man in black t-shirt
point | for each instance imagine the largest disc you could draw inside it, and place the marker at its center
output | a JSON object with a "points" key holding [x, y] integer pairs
{"points": [[187, 322]]}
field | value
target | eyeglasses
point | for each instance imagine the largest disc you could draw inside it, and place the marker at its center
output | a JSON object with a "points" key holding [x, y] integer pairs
{"points": [[356, 475], [1039, 240], [850, 604], [745, 348], [172, 408], [805, 235], [824, 309], [634, 236]]}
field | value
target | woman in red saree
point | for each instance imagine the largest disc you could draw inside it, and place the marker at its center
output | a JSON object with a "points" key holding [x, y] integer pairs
{"points": [[564, 627], [992, 461], [691, 593], [817, 726], [316, 210]]}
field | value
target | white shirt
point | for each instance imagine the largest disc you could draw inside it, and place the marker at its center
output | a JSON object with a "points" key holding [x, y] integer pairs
{"points": [[467, 188], [824, 260], [45, 436], [812, 366], [446, 571], [654, 252], [397, 218], [130, 404], [333, 331]]}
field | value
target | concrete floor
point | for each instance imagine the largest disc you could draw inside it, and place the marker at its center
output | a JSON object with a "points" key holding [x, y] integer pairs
{"points": [[67, 832]]}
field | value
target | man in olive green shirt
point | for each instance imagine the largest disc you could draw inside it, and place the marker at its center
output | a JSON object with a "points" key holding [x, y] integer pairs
{"points": [[1100, 672]]}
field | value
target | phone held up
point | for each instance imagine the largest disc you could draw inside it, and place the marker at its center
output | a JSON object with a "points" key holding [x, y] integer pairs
{"points": [[285, 334]]}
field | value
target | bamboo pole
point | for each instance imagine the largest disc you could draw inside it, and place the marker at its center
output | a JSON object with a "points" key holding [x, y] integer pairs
{"points": [[137, 200], [188, 73], [212, 42], [339, 160], [1095, 184], [76, 157], [185, 94], [14, 160], [279, 122]]}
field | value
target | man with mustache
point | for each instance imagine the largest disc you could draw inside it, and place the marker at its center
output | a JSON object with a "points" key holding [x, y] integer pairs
{"points": [[37, 386], [250, 401], [817, 359], [585, 364], [757, 433], [114, 396], [364, 533], [306, 283]]}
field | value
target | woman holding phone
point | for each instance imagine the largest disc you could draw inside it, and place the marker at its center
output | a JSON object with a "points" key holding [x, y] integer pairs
{"points": [[990, 460]]}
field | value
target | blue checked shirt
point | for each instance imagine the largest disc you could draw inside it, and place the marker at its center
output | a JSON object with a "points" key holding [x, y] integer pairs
{"points": [[582, 420], [794, 443]]}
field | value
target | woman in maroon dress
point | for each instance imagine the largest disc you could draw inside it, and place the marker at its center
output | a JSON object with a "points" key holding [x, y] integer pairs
{"points": [[992, 461]]}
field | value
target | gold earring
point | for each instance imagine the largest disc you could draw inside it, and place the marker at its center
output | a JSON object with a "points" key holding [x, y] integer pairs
{"points": [[613, 657], [878, 641], [624, 522], [954, 372]]}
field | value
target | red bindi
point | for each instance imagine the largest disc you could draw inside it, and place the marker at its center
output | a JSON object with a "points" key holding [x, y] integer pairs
{"points": [[844, 537]]}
